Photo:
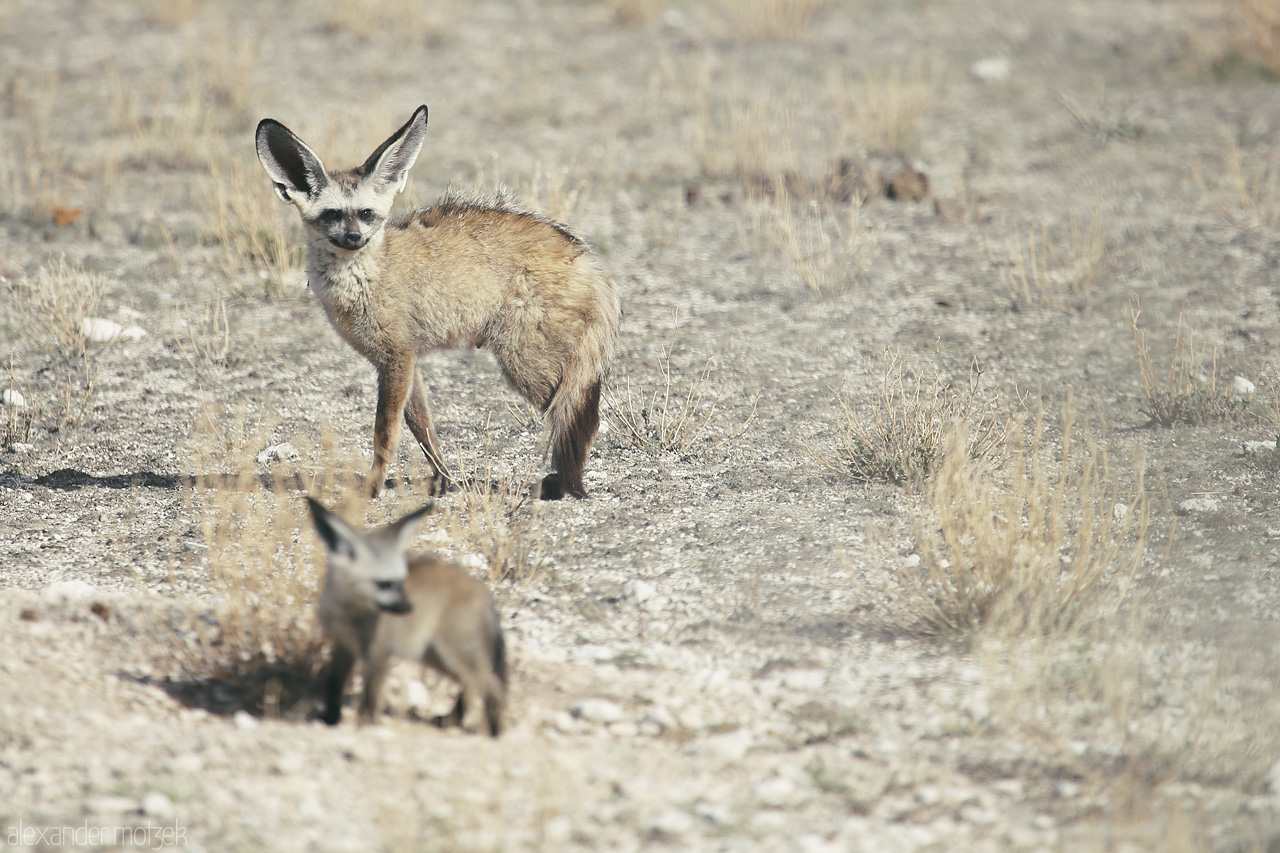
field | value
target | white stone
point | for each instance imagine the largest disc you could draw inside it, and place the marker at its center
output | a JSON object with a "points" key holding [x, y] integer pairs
{"points": [[603, 429], [111, 805], [660, 717], [473, 562], [276, 453], [133, 333], [728, 748], [591, 653], [1194, 505], [74, 590], [911, 561], [416, 694], [993, 69], [558, 830], [1242, 388], [100, 330], [22, 447], [1066, 789], [158, 805], [928, 795], [1120, 512], [290, 763], [713, 813], [804, 679], [638, 591], [13, 399], [777, 792], [598, 711], [671, 824], [244, 721], [1261, 446]]}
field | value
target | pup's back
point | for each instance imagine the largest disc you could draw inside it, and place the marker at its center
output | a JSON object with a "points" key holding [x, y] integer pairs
{"points": [[453, 627]]}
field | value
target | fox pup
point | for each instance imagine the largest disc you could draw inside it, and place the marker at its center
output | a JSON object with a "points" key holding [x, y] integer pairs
{"points": [[470, 271], [376, 604]]}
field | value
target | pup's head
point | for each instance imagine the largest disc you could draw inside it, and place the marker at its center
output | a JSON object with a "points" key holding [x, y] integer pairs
{"points": [[346, 209], [367, 570]]}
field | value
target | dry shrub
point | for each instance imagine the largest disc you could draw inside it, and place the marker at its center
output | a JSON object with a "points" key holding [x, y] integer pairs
{"points": [[828, 254], [261, 239], [1028, 548], [409, 21], [884, 106], [1051, 272], [1244, 193], [1191, 390], [258, 646], [899, 436], [743, 138], [670, 415], [637, 13], [772, 20], [205, 337], [51, 310], [494, 515], [1255, 31], [177, 119], [36, 174]]}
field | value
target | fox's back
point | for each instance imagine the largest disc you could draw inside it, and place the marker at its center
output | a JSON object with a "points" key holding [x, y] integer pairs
{"points": [[446, 600]]}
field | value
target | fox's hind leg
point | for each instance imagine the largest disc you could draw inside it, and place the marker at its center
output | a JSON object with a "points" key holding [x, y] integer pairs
{"points": [[570, 443], [418, 417]]}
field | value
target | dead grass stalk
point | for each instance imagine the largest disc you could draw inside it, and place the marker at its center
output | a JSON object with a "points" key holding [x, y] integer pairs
{"points": [[899, 436], [1191, 390], [1053, 272]]}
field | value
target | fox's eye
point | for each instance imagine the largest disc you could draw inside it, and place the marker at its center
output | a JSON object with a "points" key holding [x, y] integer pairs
{"points": [[367, 215], [330, 215], [385, 586]]}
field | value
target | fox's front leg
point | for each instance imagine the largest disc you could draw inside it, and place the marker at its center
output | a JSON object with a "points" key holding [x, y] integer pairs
{"points": [[418, 417], [395, 381]]}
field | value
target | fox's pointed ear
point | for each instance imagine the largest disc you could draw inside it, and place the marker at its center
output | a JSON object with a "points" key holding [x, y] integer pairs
{"points": [[389, 165], [406, 529], [337, 535], [294, 168]]}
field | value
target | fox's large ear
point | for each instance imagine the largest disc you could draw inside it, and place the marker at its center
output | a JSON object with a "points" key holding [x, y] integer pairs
{"points": [[294, 168], [389, 165], [338, 537], [406, 529]]}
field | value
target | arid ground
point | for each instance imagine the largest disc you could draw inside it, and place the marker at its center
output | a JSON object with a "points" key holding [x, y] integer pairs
{"points": [[848, 235]]}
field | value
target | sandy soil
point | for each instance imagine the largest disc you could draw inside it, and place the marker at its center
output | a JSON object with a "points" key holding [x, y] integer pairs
{"points": [[755, 695]]}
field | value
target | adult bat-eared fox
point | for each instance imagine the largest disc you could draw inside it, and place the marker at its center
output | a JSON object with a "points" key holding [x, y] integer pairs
{"points": [[468, 271]]}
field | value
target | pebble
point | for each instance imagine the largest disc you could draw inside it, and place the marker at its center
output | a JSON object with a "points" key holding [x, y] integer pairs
{"points": [[804, 679], [1261, 446], [671, 824], [993, 69], [13, 399], [928, 795], [728, 748], [1242, 389], [63, 591], [111, 805], [244, 721], [777, 792], [660, 717], [598, 711], [22, 447], [276, 453], [638, 591], [1195, 505], [158, 805], [100, 330]]}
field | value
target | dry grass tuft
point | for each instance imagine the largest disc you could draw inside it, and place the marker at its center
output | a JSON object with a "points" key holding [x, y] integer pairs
{"points": [[637, 13], [772, 20], [1245, 195], [407, 21], [51, 310], [1255, 31], [828, 254], [259, 647], [900, 435], [36, 174], [205, 337], [670, 415], [1049, 274], [1029, 549], [1191, 390], [493, 515], [261, 239], [883, 107]]}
